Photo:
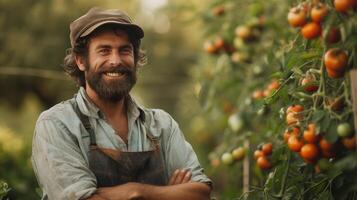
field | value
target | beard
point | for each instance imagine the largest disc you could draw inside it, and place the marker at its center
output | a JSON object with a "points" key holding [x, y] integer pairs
{"points": [[113, 89]]}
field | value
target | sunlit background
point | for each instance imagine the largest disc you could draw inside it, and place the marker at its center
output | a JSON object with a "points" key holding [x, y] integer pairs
{"points": [[33, 39]]}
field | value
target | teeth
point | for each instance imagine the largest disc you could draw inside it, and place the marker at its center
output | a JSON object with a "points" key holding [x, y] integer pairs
{"points": [[113, 74]]}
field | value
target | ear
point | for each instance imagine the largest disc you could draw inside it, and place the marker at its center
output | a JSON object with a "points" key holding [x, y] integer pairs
{"points": [[80, 62]]}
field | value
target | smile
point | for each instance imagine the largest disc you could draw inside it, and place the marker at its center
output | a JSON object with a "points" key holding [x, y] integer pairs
{"points": [[113, 74]]}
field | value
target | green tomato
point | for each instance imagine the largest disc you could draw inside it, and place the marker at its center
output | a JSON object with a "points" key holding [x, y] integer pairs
{"points": [[238, 153], [235, 122], [227, 158], [344, 129]]}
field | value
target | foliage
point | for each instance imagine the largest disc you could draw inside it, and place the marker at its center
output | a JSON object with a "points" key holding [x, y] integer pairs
{"points": [[252, 73], [4, 189]]}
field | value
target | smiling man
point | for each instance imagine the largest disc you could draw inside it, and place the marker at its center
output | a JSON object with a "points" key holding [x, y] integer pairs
{"points": [[101, 144]]}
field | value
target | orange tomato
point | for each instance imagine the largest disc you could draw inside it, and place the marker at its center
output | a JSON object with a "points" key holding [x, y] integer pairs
{"points": [[219, 43], [295, 108], [311, 30], [336, 59], [325, 145], [308, 83], [258, 94], [319, 12], [258, 153], [349, 143], [263, 163], [310, 134], [334, 74], [267, 148], [343, 5], [309, 152], [294, 131], [297, 17], [209, 47], [294, 143]]}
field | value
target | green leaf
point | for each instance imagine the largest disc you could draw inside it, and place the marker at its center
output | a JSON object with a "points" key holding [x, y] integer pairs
{"points": [[331, 134], [317, 116]]}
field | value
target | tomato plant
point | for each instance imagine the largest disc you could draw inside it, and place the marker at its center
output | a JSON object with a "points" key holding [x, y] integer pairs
{"points": [[286, 81]]}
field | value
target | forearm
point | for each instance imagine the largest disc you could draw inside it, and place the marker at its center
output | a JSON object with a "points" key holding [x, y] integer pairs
{"points": [[197, 191], [132, 191]]}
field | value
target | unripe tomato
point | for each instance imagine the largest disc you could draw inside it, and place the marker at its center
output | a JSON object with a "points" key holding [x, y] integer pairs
{"points": [[258, 153], [294, 143], [243, 32], [235, 122], [267, 148], [319, 12], [309, 152], [349, 143], [238, 153], [336, 59], [215, 162], [227, 158], [343, 5], [311, 30], [310, 134], [263, 163], [344, 129], [297, 17]]}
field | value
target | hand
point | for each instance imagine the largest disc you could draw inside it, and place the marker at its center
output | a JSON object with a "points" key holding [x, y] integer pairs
{"points": [[127, 191], [180, 176]]}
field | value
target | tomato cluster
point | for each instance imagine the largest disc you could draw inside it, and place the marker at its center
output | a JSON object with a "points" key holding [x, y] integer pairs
{"points": [[269, 89], [262, 156], [236, 155]]}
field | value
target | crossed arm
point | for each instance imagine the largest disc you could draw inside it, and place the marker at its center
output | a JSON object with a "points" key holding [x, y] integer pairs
{"points": [[179, 188]]}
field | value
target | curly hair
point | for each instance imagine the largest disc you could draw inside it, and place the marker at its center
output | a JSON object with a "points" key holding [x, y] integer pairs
{"points": [[81, 49]]}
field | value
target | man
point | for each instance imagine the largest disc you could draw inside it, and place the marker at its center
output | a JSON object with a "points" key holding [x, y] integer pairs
{"points": [[101, 144]]}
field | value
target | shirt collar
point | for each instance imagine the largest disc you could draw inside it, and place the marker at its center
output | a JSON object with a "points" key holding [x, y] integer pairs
{"points": [[88, 108]]}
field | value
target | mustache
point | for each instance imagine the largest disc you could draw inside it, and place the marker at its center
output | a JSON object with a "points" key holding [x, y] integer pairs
{"points": [[119, 69]]}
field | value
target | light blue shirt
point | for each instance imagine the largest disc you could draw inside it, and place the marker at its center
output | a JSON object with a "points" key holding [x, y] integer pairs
{"points": [[61, 145]]}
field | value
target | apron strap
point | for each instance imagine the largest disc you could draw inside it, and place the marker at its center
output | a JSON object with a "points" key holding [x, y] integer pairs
{"points": [[85, 121]]}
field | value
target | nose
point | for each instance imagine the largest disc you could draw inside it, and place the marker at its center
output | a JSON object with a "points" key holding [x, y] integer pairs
{"points": [[114, 59]]}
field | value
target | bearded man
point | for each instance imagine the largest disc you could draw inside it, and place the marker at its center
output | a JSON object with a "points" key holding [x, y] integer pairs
{"points": [[101, 144]]}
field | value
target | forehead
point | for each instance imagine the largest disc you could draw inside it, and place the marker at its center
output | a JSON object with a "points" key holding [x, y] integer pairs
{"points": [[109, 36]]}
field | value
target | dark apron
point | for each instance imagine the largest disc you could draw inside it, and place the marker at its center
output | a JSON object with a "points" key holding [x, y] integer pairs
{"points": [[113, 167]]}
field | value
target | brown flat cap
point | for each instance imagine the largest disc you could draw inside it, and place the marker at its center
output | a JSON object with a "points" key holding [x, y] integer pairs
{"points": [[96, 17]]}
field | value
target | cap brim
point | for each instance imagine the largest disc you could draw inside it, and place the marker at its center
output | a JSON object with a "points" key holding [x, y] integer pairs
{"points": [[132, 27]]}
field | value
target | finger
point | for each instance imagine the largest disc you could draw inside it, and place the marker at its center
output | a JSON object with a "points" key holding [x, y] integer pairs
{"points": [[180, 176], [187, 177], [173, 177]]}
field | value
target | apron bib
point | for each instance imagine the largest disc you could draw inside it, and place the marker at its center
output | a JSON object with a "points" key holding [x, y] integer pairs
{"points": [[113, 167]]}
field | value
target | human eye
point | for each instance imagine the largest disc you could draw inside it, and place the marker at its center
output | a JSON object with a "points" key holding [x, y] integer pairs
{"points": [[126, 50], [104, 51]]}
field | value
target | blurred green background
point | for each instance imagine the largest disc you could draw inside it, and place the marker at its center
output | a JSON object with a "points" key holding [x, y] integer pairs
{"points": [[33, 39]]}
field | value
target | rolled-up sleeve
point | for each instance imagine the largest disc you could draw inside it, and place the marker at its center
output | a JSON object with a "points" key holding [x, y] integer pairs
{"points": [[179, 154], [59, 164]]}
